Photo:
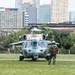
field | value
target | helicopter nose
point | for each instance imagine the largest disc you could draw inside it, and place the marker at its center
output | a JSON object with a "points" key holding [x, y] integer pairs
{"points": [[35, 56]]}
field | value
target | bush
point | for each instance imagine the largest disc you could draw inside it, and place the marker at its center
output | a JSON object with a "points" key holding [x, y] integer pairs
{"points": [[72, 49], [63, 51]]}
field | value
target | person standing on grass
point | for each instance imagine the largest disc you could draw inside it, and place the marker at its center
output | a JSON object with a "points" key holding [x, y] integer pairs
{"points": [[53, 49]]}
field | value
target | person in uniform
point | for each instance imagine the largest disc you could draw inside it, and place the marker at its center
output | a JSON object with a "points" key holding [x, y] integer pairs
{"points": [[53, 49]]}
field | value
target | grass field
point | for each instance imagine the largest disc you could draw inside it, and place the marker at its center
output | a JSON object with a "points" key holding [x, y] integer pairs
{"points": [[9, 65]]}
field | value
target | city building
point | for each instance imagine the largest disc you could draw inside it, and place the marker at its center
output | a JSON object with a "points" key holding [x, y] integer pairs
{"points": [[26, 19], [60, 11], [44, 13], [36, 3], [11, 18], [27, 1], [31, 11], [18, 4], [29, 5], [72, 17]]}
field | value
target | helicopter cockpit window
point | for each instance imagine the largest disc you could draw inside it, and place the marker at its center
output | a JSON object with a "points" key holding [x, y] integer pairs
{"points": [[34, 44], [28, 44], [31, 43], [42, 44]]}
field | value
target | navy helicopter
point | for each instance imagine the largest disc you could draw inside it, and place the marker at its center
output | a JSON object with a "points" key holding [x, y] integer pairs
{"points": [[33, 45]]}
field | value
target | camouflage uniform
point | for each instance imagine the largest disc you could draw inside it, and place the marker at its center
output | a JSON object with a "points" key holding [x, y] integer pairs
{"points": [[53, 51]]}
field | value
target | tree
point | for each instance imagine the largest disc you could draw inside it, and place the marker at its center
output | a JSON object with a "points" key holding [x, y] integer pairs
{"points": [[72, 49], [2, 38], [72, 36], [13, 37], [67, 43], [50, 34]]}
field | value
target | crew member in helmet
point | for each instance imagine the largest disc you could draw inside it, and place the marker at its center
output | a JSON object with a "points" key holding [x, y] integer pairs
{"points": [[53, 49]]}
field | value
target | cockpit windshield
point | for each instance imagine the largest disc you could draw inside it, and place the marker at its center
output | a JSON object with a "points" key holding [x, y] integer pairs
{"points": [[42, 43], [28, 43], [31, 43], [35, 44]]}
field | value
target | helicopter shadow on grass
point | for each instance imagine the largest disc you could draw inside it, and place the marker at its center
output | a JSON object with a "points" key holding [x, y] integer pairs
{"points": [[30, 60]]}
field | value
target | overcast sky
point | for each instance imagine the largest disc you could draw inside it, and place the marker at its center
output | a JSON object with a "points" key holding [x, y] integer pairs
{"points": [[11, 3]]}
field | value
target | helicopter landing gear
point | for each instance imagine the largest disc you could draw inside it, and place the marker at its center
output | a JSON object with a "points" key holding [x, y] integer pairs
{"points": [[21, 58], [34, 59], [47, 57]]}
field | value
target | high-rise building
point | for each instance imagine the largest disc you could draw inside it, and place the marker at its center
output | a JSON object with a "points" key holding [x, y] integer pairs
{"points": [[60, 11], [29, 1], [11, 18], [30, 13], [30, 6], [26, 19], [18, 3], [44, 13], [72, 17], [36, 2]]}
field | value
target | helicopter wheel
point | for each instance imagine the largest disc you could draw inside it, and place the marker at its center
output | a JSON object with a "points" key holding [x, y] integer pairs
{"points": [[21, 58], [47, 58]]}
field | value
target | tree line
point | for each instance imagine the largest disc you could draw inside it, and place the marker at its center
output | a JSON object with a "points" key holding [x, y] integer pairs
{"points": [[66, 39]]}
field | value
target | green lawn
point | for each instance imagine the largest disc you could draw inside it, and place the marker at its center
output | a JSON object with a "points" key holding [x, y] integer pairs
{"points": [[9, 65]]}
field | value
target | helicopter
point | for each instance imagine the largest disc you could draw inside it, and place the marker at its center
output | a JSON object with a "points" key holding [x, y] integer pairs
{"points": [[32, 45]]}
